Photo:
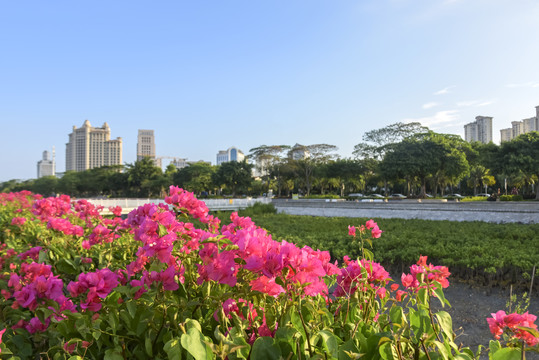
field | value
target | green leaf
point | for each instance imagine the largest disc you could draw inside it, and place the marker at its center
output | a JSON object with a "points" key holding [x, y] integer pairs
{"points": [[396, 315], [388, 351], [113, 354], [440, 295], [148, 345], [193, 342], [265, 348], [76, 357], [330, 342], [173, 349], [446, 323], [507, 354]]}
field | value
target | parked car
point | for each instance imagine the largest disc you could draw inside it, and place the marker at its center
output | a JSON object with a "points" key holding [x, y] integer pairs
{"points": [[376, 196], [454, 196], [483, 195], [358, 195], [398, 196]]}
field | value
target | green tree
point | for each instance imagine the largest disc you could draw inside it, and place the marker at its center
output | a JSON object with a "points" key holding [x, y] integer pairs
{"points": [[521, 155], [234, 175], [317, 154], [196, 177], [141, 178]]}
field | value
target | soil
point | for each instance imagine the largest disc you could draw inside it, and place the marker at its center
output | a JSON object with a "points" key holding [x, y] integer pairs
{"points": [[471, 306]]}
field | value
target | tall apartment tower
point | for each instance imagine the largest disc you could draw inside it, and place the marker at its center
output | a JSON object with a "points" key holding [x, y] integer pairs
{"points": [[46, 166], [90, 147], [479, 130], [145, 144]]}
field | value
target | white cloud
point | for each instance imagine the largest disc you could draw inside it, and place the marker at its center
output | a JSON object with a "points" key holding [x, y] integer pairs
{"points": [[527, 84], [444, 90], [475, 103], [430, 105], [438, 120]]}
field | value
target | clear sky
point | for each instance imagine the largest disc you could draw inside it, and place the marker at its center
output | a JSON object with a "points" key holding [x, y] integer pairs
{"points": [[207, 75]]}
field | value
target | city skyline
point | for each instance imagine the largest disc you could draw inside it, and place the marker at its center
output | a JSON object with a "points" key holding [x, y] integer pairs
{"points": [[245, 74]]}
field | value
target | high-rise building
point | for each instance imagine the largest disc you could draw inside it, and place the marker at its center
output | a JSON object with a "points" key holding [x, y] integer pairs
{"points": [[232, 154], [479, 130], [520, 127], [91, 147], [145, 144], [46, 166], [506, 134]]}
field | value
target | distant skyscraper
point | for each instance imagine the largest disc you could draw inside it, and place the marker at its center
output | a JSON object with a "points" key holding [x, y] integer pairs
{"points": [[91, 147], [520, 127], [46, 166], [479, 130], [145, 144], [232, 154]]}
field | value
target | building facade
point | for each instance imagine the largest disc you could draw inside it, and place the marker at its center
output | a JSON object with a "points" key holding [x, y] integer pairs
{"points": [[299, 152], [232, 154], [90, 147], [520, 127], [46, 166], [479, 130], [145, 144]]}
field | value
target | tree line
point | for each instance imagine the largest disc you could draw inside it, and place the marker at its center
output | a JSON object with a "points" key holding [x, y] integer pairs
{"points": [[400, 158]]}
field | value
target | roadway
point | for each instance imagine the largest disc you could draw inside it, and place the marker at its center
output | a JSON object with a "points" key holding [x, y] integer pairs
{"points": [[526, 212]]}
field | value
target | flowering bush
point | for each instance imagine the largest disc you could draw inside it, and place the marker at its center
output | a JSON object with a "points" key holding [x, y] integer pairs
{"points": [[169, 282]]}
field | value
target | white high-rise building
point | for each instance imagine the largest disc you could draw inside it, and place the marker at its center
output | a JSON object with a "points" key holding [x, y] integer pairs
{"points": [[46, 166], [479, 130], [145, 144], [232, 154], [91, 147], [520, 127]]}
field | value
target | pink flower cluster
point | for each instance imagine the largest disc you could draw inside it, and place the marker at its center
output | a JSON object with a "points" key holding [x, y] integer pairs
{"points": [[52, 207], [87, 210], [98, 284], [421, 273], [271, 260], [351, 278], [34, 287], [165, 277], [64, 226], [18, 221], [186, 201], [100, 234], [33, 253], [369, 225], [500, 322]]}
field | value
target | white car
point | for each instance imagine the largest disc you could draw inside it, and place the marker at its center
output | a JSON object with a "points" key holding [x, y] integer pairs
{"points": [[398, 196]]}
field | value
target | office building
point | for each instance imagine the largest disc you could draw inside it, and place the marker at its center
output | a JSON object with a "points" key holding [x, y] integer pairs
{"points": [[145, 144], [232, 154], [90, 147], [479, 130], [46, 166]]}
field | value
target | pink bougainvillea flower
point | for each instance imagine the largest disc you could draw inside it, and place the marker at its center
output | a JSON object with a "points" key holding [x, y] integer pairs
{"points": [[376, 232], [370, 224], [267, 286], [351, 230]]}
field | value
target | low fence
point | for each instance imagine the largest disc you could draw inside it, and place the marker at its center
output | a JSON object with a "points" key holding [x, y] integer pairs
{"points": [[128, 205]]}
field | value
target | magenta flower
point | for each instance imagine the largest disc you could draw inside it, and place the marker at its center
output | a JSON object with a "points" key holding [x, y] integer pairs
{"points": [[351, 230]]}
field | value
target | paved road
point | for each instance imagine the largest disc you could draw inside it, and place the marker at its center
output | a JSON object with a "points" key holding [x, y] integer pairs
{"points": [[495, 212]]}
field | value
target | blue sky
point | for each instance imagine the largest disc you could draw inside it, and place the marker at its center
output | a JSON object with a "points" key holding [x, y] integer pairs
{"points": [[207, 75]]}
